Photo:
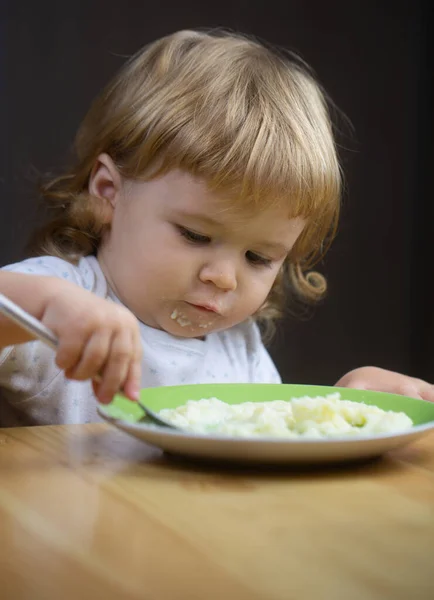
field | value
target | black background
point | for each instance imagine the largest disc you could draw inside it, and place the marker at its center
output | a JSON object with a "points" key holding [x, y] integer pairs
{"points": [[375, 60]]}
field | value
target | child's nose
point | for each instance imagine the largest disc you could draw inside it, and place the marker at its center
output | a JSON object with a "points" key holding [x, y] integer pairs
{"points": [[222, 274]]}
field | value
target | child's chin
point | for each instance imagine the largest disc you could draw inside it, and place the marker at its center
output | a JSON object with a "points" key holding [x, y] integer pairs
{"points": [[189, 331]]}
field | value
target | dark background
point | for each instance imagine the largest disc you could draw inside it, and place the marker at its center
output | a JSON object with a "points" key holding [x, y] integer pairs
{"points": [[375, 60]]}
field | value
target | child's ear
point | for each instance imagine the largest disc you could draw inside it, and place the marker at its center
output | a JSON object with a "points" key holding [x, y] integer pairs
{"points": [[105, 184]]}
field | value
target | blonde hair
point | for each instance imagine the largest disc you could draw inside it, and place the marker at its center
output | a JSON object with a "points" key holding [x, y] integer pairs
{"points": [[248, 119]]}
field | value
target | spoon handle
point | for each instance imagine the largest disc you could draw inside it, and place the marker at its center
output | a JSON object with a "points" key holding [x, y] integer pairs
{"points": [[27, 322]]}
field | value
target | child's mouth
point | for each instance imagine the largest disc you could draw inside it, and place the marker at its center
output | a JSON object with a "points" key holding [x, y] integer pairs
{"points": [[204, 307]]}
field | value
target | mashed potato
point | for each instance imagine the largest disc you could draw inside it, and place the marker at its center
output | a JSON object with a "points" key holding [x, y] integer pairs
{"points": [[306, 417]]}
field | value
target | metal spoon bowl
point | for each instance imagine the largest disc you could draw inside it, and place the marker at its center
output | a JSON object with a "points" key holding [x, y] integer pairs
{"points": [[153, 416]]}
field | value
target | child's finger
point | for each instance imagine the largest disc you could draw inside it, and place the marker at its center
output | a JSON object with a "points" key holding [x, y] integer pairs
{"points": [[95, 386], [131, 386], [69, 351], [93, 358], [426, 390], [116, 367]]}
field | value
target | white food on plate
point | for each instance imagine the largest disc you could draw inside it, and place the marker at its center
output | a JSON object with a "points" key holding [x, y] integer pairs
{"points": [[305, 417]]}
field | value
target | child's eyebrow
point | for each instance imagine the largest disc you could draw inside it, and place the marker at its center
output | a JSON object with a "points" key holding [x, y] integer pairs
{"points": [[200, 217], [275, 246]]}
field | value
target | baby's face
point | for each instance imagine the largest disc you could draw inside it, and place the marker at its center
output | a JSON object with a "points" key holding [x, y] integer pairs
{"points": [[182, 262]]}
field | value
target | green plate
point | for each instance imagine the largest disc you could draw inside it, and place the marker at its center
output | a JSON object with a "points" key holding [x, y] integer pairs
{"points": [[127, 416]]}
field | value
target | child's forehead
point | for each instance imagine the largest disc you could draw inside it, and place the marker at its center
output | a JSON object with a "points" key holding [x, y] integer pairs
{"points": [[215, 212], [191, 196]]}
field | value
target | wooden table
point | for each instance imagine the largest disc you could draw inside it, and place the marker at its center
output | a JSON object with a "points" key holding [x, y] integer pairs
{"points": [[87, 512]]}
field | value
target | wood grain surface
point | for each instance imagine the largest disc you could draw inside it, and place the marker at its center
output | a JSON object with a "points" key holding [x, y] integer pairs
{"points": [[88, 512]]}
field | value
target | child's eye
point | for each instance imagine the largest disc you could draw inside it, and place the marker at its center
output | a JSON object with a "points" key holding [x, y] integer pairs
{"points": [[193, 237], [257, 260]]}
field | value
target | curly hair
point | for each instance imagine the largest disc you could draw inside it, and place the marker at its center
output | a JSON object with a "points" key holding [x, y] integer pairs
{"points": [[248, 119]]}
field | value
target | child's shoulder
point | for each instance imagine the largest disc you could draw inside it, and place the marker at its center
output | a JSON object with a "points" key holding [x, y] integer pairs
{"points": [[44, 265], [86, 273]]}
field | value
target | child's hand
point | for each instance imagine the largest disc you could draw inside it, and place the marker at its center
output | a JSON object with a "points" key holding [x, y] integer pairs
{"points": [[96, 337], [380, 380]]}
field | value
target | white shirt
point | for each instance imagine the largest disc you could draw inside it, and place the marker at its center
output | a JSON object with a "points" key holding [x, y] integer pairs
{"points": [[35, 391]]}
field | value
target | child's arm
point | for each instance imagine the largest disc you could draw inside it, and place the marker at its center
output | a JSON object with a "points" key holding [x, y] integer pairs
{"points": [[96, 336], [381, 380]]}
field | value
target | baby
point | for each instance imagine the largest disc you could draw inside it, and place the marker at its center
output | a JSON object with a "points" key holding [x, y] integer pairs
{"points": [[206, 181]]}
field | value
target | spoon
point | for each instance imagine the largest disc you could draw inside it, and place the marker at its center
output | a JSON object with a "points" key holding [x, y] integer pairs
{"points": [[28, 322]]}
